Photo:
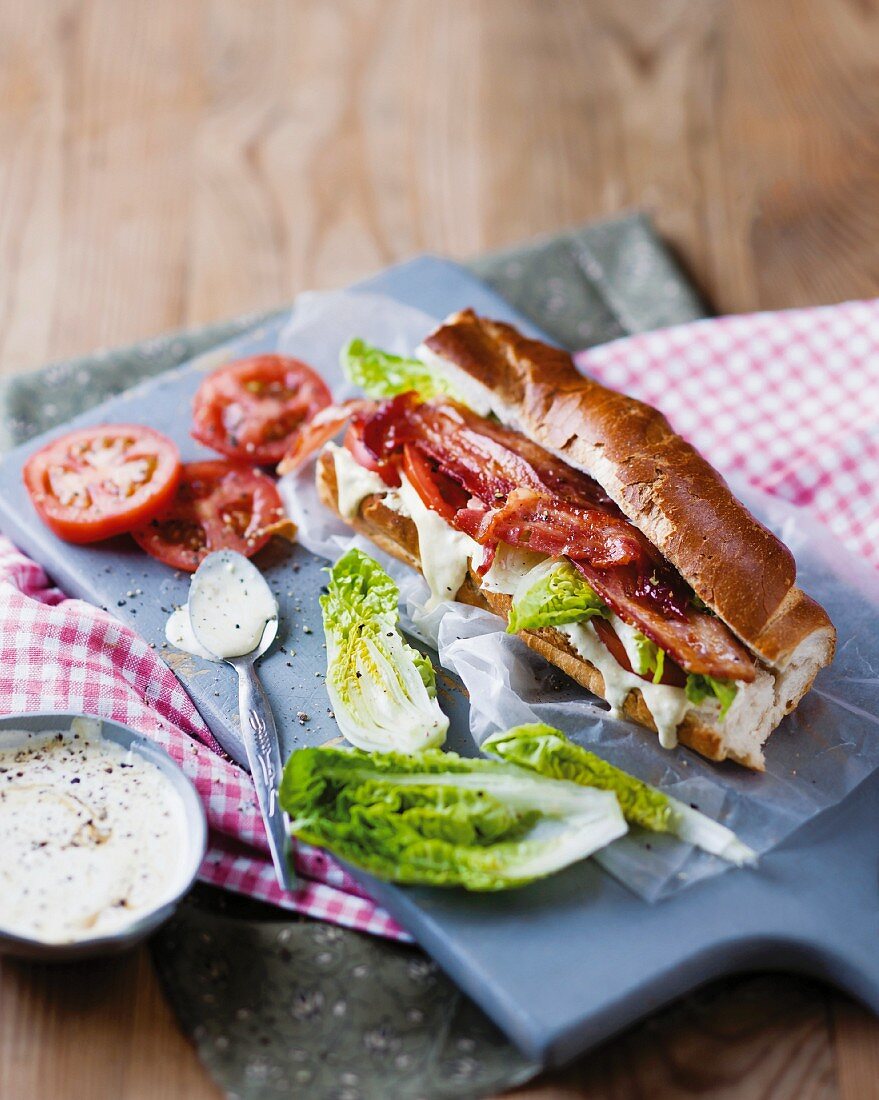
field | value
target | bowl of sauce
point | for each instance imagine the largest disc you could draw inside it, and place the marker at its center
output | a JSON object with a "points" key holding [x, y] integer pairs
{"points": [[102, 833]]}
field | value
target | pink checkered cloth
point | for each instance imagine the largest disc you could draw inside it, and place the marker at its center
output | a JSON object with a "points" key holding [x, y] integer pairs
{"points": [[65, 655], [789, 400]]}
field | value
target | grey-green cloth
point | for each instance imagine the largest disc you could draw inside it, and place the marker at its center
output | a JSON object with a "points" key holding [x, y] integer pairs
{"points": [[281, 1007]]}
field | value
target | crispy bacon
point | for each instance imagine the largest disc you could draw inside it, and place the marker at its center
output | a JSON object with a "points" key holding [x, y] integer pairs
{"points": [[488, 460], [522, 495], [319, 431], [697, 641], [551, 526]]}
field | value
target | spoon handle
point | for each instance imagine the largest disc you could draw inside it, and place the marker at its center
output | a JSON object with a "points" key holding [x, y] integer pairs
{"points": [[264, 757]]}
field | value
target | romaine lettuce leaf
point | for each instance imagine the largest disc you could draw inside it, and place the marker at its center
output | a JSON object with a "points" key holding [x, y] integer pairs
{"points": [[547, 751], [442, 820], [383, 691], [551, 594], [380, 374], [699, 688], [649, 658]]}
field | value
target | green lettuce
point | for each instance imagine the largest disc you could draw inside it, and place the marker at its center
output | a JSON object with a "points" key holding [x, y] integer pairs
{"points": [[380, 374], [546, 751], [698, 688], [439, 819], [649, 659], [383, 691], [551, 594]]}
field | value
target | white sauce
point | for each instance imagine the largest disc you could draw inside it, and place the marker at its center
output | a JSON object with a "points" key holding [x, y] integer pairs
{"points": [[91, 835], [353, 482], [445, 553], [509, 567], [667, 704], [178, 631], [230, 605]]}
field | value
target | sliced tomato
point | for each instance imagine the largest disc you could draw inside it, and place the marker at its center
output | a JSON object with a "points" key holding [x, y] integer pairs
{"points": [[437, 490], [672, 673], [218, 506], [98, 482], [252, 409]]}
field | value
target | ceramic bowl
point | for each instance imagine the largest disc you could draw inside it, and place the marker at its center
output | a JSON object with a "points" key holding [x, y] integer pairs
{"points": [[194, 840]]}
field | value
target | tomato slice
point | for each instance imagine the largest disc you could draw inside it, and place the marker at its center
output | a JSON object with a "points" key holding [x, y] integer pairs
{"points": [[218, 506], [252, 409], [98, 482], [436, 489]]}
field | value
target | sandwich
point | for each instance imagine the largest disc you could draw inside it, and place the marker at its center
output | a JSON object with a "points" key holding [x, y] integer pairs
{"points": [[576, 513]]}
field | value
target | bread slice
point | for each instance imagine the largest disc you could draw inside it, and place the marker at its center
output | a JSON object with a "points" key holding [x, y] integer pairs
{"points": [[739, 737], [658, 480]]}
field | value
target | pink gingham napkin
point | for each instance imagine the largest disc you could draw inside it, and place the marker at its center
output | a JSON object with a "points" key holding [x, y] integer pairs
{"points": [[65, 655], [789, 400]]}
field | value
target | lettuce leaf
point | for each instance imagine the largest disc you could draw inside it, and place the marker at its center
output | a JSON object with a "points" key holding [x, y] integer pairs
{"points": [[698, 688], [547, 751], [383, 691], [380, 374], [442, 820], [551, 594], [649, 659]]}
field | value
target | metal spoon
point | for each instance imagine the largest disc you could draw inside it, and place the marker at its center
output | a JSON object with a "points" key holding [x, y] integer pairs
{"points": [[209, 613]]}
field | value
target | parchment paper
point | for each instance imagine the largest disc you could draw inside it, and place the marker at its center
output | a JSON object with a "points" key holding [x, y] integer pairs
{"points": [[817, 755]]}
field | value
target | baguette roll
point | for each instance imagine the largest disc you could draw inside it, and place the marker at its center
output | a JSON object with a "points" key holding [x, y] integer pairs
{"points": [[663, 487]]}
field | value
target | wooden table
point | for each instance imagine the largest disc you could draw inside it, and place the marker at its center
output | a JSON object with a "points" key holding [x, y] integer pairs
{"points": [[170, 163]]}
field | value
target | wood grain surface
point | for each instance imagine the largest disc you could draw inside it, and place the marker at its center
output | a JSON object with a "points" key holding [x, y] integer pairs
{"points": [[174, 162]]}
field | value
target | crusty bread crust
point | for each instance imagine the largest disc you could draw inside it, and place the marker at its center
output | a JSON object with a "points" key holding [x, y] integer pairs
{"points": [[658, 480], [396, 534]]}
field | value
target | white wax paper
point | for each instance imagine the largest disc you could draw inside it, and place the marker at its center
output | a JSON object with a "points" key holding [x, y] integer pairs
{"points": [[815, 757]]}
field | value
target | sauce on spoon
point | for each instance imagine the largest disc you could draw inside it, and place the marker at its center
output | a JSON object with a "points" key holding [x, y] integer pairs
{"points": [[230, 605]]}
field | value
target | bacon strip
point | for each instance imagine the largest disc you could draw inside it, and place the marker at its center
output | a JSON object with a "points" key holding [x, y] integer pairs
{"points": [[551, 526], [318, 431], [697, 641], [491, 461], [524, 496], [672, 674]]}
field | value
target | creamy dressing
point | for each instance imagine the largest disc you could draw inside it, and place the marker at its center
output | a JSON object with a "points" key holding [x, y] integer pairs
{"points": [[178, 631], [353, 482], [91, 835], [445, 553], [230, 605], [667, 704], [509, 567]]}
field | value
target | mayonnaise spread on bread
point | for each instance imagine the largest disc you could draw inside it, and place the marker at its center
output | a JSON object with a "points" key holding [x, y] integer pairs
{"points": [[355, 482], [445, 553]]}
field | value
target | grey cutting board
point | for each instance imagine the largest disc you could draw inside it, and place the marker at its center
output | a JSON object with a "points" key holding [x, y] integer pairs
{"points": [[564, 963]]}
